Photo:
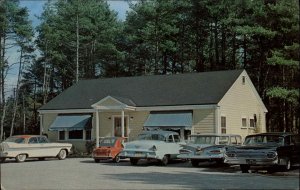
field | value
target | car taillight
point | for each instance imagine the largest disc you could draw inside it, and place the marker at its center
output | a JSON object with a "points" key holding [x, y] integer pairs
{"points": [[215, 151], [184, 151], [230, 154]]}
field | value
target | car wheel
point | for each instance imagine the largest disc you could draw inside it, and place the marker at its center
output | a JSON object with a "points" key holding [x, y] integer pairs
{"points": [[2, 160], [21, 157], [97, 160], [245, 168], [165, 160], [62, 154], [134, 161], [117, 158], [195, 163], [287, 165]]}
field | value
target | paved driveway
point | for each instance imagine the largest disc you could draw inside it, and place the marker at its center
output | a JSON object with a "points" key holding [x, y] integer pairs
{"points": [[83, 173]]}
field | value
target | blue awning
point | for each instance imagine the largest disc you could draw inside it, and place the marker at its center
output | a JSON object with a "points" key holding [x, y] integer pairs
{"points": [[71, 122], [169, 120]]}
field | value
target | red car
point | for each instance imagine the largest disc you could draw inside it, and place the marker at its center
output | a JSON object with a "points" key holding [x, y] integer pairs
{"points": [[109, 148]]}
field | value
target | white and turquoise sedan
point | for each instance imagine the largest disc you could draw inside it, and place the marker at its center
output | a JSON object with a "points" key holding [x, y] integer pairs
{"points": [[208, 147], [158, 145]]}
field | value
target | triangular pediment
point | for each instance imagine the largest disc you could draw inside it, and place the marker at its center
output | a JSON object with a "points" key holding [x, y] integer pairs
{"points": [[110, 102]]}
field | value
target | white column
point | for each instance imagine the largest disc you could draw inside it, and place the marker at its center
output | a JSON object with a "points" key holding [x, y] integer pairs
{"points": [[97, 127], [217, 120], [41, 124], [182, 134], [122, 123]]}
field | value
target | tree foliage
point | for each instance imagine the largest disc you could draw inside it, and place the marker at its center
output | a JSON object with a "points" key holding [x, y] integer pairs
{"points": [[167, 37]]}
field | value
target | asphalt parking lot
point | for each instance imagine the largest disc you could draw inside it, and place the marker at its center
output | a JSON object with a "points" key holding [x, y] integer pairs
{"points": [[84, 173]]}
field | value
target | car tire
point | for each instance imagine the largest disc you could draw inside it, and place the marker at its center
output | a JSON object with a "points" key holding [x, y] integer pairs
{"points": [[62, 154], [287, 165], [21, 157], [97, 160], [134, 161], [117, 159], [195, 163], [245, 168], [165, 160]]}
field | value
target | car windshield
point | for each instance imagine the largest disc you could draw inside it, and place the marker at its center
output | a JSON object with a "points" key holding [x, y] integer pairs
{"points": [[202, 139], [107, 142], [15, 140], [154, 137], [264, 139]]}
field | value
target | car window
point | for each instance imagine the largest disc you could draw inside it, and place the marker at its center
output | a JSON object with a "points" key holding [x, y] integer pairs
{"points": [[296, 140], [107, 142], [261, 139], [176, 138], [147, 136], [32, 140], [170, 138], [204, 140], [43, 140], [18, 140], [223, 140]]}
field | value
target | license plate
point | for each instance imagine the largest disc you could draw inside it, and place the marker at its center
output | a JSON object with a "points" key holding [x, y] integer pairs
{"points": [[251, 161], [139, 154]]}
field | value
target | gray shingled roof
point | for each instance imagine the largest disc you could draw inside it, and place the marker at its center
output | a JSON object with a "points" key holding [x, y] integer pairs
{"points": [[143, 91]]}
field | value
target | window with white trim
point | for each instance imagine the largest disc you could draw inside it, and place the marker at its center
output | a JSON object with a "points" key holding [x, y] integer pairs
{"points": [[61, 135], [223, 124], [88, 134], [117, 124], [244, 122], [252, 123], [76, 134]]}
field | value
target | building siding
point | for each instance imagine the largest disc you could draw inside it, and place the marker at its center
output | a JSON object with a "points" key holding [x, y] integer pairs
{"points": [[240, 102], [203, 121]]}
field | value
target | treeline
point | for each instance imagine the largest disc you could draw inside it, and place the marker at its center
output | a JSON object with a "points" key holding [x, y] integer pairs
{"points": [[79, 39]]}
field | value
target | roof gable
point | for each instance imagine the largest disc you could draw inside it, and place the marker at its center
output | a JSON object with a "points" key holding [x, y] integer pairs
{"points": [[144, 91]]}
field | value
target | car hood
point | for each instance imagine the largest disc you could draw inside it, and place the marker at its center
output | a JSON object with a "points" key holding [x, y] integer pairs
{"points": [[145, 144]]}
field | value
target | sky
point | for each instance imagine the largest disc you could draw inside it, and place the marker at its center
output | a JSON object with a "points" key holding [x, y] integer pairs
{"points": [[35, 8]]}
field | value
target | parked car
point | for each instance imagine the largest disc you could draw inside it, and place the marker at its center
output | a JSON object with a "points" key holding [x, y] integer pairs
{"points": [[22, 147], [157, 144], [208, 147], [109, 148], [266, 149]]}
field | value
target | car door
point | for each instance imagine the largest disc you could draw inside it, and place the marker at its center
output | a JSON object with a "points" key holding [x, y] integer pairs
{"points": [[33, 148], [295, 143], [173, 142]]}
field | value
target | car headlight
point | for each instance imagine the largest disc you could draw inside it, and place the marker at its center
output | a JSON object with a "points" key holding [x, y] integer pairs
{"points": [[215, 151]]}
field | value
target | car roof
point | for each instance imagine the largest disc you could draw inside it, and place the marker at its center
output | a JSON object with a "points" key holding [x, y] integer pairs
{"points": [[26, 136], [215, 134], [273, 133], [165, 133]]}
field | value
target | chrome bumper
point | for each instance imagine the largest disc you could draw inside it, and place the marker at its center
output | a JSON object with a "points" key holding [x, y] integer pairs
{"points": [[251, 161], [200, 157]]}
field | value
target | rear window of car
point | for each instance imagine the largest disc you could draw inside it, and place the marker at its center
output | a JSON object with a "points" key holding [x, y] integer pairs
{"points": [[15, 140], [107, 142], [264, 139], [155, 137]]}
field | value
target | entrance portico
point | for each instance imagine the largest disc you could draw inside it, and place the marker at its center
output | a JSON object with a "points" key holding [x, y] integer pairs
{"points": [[111, 104]]}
